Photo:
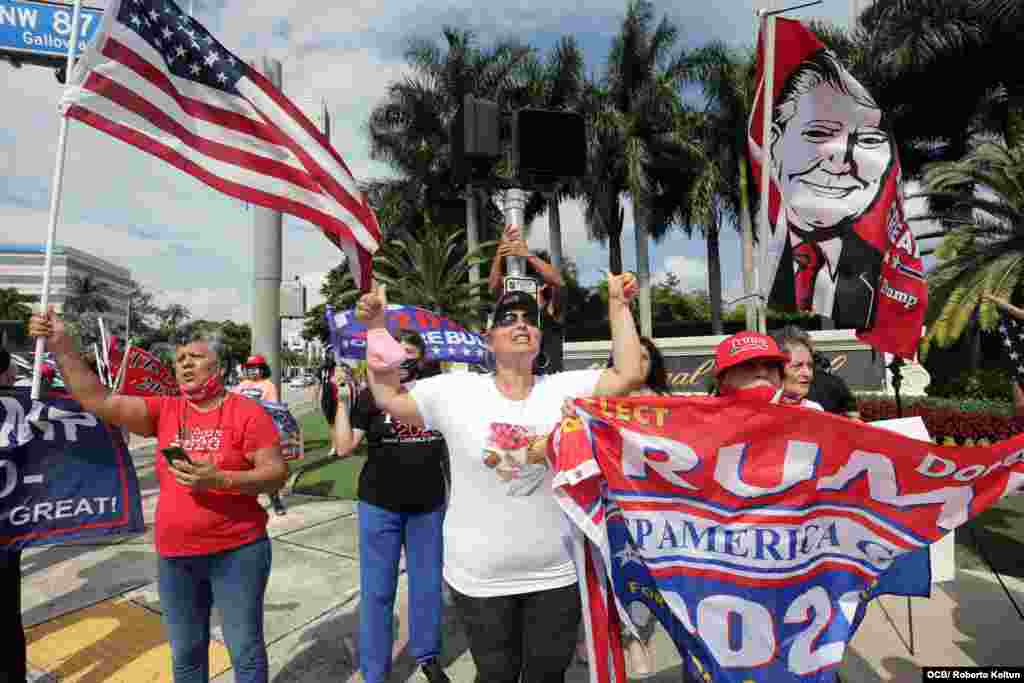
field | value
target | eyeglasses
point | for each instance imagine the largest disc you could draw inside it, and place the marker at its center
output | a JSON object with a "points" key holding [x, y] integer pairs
{"points": [[510, 318]]}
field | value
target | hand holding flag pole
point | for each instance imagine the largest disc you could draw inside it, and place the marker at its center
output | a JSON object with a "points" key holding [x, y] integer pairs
{"points": [[55, 197]]}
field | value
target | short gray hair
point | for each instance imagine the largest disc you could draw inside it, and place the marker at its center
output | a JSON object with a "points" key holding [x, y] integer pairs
{"points": [[214, 340], [791, 335]]}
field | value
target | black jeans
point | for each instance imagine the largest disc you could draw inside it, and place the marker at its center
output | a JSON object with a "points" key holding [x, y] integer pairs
{"points": [[12, 664], [525, 638]]}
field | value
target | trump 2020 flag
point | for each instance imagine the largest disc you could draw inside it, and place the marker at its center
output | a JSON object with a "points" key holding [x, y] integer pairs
{"points": [[64, 474], [155, 78], [445, 339], [754, 531], [838, 243]]}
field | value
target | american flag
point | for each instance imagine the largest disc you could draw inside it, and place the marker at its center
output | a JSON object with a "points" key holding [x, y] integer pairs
{"points": [[1012, 332], [155, 78]]}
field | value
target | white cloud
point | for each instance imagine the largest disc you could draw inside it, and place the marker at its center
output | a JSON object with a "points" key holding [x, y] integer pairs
{"points": [[691, 272], [206, 303]]}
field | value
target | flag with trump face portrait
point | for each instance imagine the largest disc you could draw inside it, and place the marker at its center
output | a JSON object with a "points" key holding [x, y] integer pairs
{"points": [[838, 243], [154, 78]]}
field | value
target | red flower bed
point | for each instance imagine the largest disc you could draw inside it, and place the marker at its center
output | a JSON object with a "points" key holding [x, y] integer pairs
{"points": [[946, 422]]}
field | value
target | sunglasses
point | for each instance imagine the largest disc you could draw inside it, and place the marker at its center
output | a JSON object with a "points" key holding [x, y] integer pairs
{"points": [[510, 318], [409, 364]]}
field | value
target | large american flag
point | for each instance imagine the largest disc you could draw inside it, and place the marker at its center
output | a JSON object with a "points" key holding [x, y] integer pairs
{"points": [[155, 78]]}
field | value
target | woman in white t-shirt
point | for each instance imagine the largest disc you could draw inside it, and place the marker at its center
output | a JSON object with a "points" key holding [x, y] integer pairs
{"points": [[798, 371], [507, 543]]}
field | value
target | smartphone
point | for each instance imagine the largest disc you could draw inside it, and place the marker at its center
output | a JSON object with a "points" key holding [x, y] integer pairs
{"points": [[175, 453]]}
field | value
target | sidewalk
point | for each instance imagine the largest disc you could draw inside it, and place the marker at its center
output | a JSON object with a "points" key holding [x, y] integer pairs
{"points": [[92, 612]]}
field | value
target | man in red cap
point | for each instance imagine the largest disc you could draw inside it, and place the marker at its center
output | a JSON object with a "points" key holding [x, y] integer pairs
{"points": [[749, 363]]}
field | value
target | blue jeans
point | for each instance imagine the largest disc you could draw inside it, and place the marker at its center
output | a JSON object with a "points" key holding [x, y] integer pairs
{"points": [[236, 580], [381, 536]]}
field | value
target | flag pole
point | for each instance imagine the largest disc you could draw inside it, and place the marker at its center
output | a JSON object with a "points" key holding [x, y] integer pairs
{"points": [[55, 197], [764, 222]]}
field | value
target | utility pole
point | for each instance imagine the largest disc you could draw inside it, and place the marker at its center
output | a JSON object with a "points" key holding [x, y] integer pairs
{"points": [[515, 211], [266, 272]]}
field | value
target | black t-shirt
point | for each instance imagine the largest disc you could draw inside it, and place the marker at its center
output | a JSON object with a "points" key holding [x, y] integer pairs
{"points": [[405, 468], [832, 393]]}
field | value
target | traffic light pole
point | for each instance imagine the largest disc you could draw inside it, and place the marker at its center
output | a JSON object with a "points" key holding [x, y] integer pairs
{"points": [[266, 259], [515, 211]]}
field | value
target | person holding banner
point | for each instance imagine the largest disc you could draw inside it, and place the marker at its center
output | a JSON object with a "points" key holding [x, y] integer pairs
{"points": [[221, 450], [401, 503], [638, 647], [12, 631], [507, 544], [798, 371], [257, 386]]}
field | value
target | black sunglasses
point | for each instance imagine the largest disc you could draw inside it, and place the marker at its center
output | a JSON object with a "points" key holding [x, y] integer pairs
{"points": [[510, 318], [409, 364]]}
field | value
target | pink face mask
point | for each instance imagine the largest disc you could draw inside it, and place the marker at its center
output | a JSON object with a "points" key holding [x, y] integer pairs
{"points": [[209, 389]]}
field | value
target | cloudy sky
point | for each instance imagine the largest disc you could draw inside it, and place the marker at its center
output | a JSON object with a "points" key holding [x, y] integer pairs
{"points": [[194, 246]]}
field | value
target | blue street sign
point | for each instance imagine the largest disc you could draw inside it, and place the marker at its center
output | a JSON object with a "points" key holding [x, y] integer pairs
{"points": [[43, 29]]}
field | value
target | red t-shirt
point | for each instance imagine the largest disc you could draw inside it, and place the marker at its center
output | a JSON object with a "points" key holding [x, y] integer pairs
{"points": [[203, 522]]}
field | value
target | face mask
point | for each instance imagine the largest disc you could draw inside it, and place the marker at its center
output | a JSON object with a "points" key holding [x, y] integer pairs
{"points": [[764, 394], [211, 388]]}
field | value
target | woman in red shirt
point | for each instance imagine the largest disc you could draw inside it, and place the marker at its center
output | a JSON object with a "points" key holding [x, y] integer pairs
{"points": [[211, 537]]}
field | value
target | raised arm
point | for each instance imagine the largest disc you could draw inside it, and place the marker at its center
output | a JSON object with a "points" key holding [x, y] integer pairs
{"points": [[85, 387], [385, 353], [346, 437], [626, 373]]}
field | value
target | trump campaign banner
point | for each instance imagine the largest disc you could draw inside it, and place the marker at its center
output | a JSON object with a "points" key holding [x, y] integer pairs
{"points": [[445, 339], [288, 428], [754, 532], [141, 373], [837, 242], [64, 475]]}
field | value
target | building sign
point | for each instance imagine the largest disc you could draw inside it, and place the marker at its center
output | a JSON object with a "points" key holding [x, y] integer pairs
{"points": [[860, 368], [41, 31]]}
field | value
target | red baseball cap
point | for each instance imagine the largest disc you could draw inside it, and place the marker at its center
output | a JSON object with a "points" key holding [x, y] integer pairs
{"points": [[254, 360], [747, 346]]}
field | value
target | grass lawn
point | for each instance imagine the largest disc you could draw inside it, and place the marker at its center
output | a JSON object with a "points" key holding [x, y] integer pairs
{"points": [[321, 475]]}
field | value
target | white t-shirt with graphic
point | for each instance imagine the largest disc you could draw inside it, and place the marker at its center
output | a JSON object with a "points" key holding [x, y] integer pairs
{"points": [[504, 534]]}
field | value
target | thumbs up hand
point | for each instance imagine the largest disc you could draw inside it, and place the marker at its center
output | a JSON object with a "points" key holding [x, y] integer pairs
{"points": [[372, 306]]}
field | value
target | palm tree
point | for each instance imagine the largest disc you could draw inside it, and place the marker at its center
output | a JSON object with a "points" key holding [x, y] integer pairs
{"points": [[172, 318], [431, 272], [14, 305], [917, 52], [632, 115], [726, 77], [86, 294], [410, 130], [985, 255]]}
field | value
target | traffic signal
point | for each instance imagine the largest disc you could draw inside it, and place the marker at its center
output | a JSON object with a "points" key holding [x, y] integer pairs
{"points": [[476, 138], [548, 144]]}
